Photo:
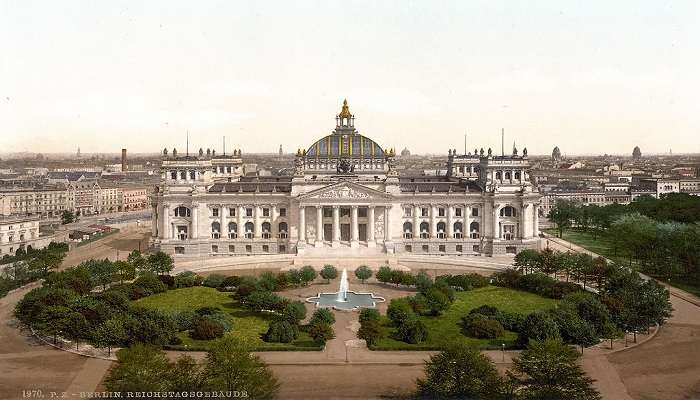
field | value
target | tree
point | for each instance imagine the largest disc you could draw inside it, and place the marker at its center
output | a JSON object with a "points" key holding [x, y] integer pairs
{"points": [[53, 320], [160, 263], [460, 372], [140, 368], [124, 271], [563, 212], [322, 315], [368, 314], [185, 375], [68, 217], [370, 330], [611, 332], [412, 330], [321, 332], [308, 274], [77, 328], [526, 260], [363, 273], [111, 333], [281, 331], [138, 261], [384, 274], [399, 310], [437, 301], [294, 311], [231, 367], [549, 370], [423, 282], [329, 272], [538, 326]]}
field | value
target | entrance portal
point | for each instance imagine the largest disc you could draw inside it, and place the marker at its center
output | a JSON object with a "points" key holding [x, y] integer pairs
{"points": [[345, 232], [328, 232], [362, 232]]}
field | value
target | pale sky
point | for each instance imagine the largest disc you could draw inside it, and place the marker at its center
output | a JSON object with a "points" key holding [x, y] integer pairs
{"points": [[588, 76]]}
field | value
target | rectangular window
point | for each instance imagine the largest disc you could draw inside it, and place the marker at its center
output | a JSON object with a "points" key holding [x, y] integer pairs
{"points": [[266, 212], [283, 212], [231, 248], [475, 212], [248, 248], [214, 248], [408, 212], [475, 248], [458, 212], [441, 212], [179, 250], [327, 212], [248, 212], [362, 212], [425, 248], [282, 249], [215, 212], [408, 248], [424, 212], [459, 248], [266, 248], [441, 248], [232, 211]]}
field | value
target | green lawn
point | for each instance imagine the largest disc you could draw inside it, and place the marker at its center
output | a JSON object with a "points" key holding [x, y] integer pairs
{"points": [[445, 329], [602, 244], [246, 324]]}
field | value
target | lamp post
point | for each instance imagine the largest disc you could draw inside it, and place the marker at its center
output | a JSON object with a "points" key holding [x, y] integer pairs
{"points": [[503, 352]]}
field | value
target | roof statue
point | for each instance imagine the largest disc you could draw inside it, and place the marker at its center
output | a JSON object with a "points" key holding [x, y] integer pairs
{"points": [[345, 112]]}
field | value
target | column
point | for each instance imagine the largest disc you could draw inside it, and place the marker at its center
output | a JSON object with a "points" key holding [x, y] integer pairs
{"points": [[166, 222], [496, 210], [387, 223], [195, 221], [258, 228], [416, 222], [302, 224], [319, 226], [241, 228], [224, 222], [523, 231], [433, 222], [536, 227], [336, 226], [273, 221], [354, 228], [450, 228], [467, 222], [370, 227]]}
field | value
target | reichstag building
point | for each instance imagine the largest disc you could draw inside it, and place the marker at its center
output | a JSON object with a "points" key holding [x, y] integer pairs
{"points": [[345, 197]]}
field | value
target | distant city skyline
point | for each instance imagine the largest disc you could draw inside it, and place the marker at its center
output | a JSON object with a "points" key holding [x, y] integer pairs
{"points": [[592, 78]]}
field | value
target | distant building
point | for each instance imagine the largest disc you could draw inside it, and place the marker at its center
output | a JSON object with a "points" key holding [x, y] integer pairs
{"points": [[405, 152], [556, 154], [18, 232], [636, 153], [280, 150]]}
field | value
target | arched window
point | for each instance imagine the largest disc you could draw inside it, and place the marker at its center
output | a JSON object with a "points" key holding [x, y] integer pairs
{"points": [[474, 230], [424, 233], [183, 175], [283, 230], [517, 175], [232, 230], [249, 230], [266, 228], [457, 228], [498, 175], [508, 211], [215, 230], [182, 212], [407, 230], [441, 230], [507, 175]]}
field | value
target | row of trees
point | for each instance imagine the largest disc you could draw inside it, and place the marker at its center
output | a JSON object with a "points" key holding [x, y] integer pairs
{"points": [[229, 369], [29, 265], [547, 369], [662, 235]]}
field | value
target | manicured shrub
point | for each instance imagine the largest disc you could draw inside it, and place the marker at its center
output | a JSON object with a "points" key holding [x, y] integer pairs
{"points": [[384, 274], [399, 310], [560, 289], [482, 327], [538, 326], [206, 329], [322, 315], [184, 320], [467, 281], [329, 272], [281, 331], [436, 300], [363, 273], [369, 314], [510, 320], [308, 274], [371, 331], [321, 332], [262, 300], [485, 310], [187, 279], [150, 283], [231, 281], [412, 330], [214, 281], [294, 311], [268, 281], [168, 281]]}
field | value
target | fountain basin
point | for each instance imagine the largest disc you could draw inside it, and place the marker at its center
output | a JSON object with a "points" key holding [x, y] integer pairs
{"points": [[352, 301]]}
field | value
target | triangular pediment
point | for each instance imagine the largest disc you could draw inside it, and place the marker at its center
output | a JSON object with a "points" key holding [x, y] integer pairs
{"points": [[345, 190]]}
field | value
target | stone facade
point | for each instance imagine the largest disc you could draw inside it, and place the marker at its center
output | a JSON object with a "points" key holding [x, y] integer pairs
{"points": [[345, 194]]}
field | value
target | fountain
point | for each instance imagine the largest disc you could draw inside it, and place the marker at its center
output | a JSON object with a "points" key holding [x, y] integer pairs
{"points": [[345, 299]]}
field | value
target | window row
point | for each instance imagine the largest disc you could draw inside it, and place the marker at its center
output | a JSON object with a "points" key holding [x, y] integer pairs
{"points": [[249, 230], [183, 211], [424, 230], [232, 249], [441, 212]]}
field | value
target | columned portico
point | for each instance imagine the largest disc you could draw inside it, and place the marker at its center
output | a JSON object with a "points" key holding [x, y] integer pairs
{"points": [[355, 229], [371, 241]]}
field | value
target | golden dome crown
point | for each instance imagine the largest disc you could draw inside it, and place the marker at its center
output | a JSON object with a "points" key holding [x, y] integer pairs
{"points": [[345, 112]]}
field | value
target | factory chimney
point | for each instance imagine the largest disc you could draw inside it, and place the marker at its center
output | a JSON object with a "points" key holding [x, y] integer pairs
{"points": [[124, 166]]}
